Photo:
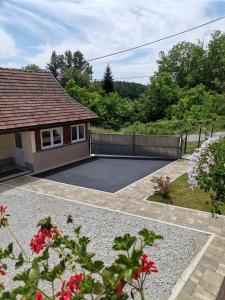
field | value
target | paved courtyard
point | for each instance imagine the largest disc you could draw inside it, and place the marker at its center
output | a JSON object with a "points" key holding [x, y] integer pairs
{"points": [[205, 275], [105, 174]]}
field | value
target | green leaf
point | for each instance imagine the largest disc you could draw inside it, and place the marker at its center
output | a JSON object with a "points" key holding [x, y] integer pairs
{"points": [[20, 261], [124, 243], [149, 236], [69, 219], [98, 288]]}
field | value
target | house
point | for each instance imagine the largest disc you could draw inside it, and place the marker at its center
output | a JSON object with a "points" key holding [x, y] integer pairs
{"points": [[41, 127]]}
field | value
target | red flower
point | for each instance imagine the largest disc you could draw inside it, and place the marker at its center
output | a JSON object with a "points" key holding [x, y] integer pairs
{"points": [[74, 282], [2, 271], [39, 296], [120, 288], [42, 239], [2, 209], [147, 267], [64, 294]]}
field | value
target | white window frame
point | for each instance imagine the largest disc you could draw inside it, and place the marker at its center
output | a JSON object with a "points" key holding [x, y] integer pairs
{"points": [[77, 127], [51, 137]]}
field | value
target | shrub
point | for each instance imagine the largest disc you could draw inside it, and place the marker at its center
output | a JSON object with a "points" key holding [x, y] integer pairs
{"points": [[162, 186], [89, 278], [207, 171]]}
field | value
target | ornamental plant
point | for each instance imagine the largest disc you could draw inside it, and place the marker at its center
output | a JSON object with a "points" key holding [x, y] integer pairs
{"points": [[162, 186], [207, 170], [75, 273]]}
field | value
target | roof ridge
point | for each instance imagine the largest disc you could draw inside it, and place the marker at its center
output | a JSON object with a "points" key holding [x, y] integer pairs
{"points": [[24, 71]]}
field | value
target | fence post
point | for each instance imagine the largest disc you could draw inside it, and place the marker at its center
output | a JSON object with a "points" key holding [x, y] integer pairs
{"points": [[134, 146], [180, 147], [185, 143], [90, 141], [212, 132], [199, 137]]}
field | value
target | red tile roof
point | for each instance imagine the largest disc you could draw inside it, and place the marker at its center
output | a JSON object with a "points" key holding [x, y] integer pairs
{"points": [[29, 99]]}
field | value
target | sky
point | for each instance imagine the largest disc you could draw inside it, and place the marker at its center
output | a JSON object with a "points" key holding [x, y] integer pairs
{"points": [[31, 29]]}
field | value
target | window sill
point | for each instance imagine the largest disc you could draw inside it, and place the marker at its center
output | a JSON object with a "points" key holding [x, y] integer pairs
{"points": [[64, 145]]}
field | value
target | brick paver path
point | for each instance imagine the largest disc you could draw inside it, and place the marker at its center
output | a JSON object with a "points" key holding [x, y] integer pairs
{"points": [[205, 280]]}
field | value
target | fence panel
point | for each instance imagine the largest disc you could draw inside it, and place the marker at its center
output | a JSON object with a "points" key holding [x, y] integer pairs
{"points": [[136, 145]]}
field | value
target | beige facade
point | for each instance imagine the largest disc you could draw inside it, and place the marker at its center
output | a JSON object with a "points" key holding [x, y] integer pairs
{"points": [[39, 160], [7, 148], [47, 159]]}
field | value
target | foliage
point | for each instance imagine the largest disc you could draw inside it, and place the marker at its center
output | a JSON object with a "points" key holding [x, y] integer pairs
{"points": [[208, 171], [107, 83], [111, 108], [162, 186], [185, 63], [70, 65], [87, 278], [130, 90], [31, 68], [161, 93]]}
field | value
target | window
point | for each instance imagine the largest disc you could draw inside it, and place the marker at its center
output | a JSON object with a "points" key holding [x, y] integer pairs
{"points": [[78, 133], [51, 138], [18, 140]]}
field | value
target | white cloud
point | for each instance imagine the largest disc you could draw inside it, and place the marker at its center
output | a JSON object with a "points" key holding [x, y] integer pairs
{"points": [[8, 48], [99, 27]]}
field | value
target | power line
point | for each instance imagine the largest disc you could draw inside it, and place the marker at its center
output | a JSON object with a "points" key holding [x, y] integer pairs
{"points": [[158, 40]]}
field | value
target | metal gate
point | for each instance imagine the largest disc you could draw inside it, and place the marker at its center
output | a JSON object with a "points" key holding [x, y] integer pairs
{"points": [[165, 147]]}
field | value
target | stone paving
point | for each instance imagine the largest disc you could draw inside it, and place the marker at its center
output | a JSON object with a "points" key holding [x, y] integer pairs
{"points": [[206, 278]]}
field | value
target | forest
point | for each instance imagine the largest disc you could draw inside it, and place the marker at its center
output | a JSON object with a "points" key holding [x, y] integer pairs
{"points": [[187, 90]]}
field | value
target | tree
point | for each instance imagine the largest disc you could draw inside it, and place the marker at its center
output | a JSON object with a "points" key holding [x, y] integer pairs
{"points": [[130, 90], [215, 68], [53, 65], [162, 92], [70, 65], [31, 68], [185, 62], [107, 84]]}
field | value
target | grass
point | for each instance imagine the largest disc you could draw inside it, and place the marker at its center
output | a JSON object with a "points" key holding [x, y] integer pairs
{"points": [[191, 147], [182, 195]]}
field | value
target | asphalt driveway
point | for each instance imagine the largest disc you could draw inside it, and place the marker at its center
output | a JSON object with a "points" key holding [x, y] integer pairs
{"points": [[105, 174]]}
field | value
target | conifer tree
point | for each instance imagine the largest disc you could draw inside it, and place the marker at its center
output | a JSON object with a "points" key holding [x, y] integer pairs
{"points": [[107, 84]]}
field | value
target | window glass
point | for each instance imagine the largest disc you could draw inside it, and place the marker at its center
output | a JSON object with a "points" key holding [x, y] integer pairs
{"points": [[46, 138], [81, 132], [18, 140], [74, 133], [57, 136]]}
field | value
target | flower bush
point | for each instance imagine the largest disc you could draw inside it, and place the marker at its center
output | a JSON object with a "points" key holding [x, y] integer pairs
{"points": [[162, 186], [88, 279], [207, 170]]}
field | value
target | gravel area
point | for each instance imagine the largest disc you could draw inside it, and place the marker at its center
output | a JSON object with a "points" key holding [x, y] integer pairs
{"points": [[172, 255]]}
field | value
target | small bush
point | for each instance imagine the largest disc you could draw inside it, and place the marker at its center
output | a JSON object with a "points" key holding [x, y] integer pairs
{"points": [[162, 186]]}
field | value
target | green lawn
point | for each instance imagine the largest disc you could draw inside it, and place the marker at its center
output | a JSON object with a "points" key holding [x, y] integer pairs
{"points": [[182, 195]]}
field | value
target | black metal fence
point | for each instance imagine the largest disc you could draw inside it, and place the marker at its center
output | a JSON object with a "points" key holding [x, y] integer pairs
{"points": [[193, 141], [166, 147]]}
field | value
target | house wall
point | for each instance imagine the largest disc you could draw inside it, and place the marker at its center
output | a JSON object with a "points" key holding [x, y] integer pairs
{"points": [[69, 152], [7, 147], [28, 148], [43, 160]]}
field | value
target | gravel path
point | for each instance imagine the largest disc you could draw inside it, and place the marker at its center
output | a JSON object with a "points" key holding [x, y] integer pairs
{"points": [[172, 255]]}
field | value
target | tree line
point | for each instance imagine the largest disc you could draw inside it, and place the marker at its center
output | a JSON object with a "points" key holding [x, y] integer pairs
{"points": [[187, 88]]}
